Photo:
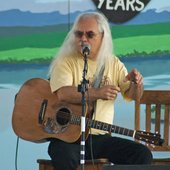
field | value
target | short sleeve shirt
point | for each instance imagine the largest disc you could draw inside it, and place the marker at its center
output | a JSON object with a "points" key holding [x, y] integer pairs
{"points": [[68, 71]]}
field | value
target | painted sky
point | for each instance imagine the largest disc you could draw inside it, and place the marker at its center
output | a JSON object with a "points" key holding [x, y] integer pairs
{"points": [[63, 5]]}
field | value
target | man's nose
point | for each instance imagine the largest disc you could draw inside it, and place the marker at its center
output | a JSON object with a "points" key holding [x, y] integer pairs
{"points": [[84, 38]]}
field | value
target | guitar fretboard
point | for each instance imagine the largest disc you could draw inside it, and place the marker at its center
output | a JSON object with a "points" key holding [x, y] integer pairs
{"points": [[102, 126]]}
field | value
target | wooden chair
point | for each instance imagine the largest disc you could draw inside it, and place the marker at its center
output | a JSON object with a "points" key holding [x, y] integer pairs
{"points": [[156, 112], [98, 164]]}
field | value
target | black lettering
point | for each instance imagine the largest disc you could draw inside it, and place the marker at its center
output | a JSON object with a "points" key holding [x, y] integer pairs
{"points": [[124, 5]]}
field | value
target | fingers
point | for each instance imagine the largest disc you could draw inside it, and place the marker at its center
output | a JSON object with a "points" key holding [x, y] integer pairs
{"points": [[135, 77], [110, 92], [111, 96]]}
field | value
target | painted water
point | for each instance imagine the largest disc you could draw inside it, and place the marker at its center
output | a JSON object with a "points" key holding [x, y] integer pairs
{"points": [[156, 74]]}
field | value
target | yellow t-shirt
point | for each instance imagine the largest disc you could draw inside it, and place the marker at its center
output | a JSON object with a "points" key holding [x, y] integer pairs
{"points": [[69, 71]]}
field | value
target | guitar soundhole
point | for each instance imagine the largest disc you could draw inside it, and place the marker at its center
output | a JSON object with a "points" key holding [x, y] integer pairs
{"points": [[63, 116]]}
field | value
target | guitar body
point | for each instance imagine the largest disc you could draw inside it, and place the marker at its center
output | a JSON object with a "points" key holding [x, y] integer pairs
{"points": [[25, 119]]}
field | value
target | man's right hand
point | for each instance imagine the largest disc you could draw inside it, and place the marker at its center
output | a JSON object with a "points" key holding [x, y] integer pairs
{"points": [[108, 92]]}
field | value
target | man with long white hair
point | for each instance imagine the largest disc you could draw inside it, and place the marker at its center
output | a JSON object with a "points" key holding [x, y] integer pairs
{"points": [[107, 76]]}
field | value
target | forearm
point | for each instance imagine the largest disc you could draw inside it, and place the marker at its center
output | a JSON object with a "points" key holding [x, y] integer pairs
{"points": [[70, 94], [135, 91]]}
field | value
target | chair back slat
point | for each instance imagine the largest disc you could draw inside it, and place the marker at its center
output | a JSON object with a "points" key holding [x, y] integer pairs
{"points": [[148, 117], [166, 124], [137, 115], [158, 118]]}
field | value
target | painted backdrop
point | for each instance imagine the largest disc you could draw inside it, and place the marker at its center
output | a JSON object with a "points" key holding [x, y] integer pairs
{"points": [[31, 33]]}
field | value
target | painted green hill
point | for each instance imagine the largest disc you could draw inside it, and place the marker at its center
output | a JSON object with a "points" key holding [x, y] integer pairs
{"points": [[40, 44]]}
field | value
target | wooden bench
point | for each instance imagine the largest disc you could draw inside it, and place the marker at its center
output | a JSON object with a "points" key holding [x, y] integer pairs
{"points": [[154, 107], [157, 109], [98, 164], [45, 164]]}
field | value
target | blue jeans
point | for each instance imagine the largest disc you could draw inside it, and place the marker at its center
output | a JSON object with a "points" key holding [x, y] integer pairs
{"points": [[66, 156]]}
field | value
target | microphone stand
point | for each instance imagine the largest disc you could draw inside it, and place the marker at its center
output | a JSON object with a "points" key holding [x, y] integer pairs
{"points": [[83, 87]]}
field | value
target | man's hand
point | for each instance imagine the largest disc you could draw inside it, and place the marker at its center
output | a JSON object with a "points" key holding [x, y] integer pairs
{"points": [[135, 77], [108, 92], [135, 90]]}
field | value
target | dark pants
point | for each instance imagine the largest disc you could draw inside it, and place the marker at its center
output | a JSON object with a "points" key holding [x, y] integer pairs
{"points": [[66, 156]]}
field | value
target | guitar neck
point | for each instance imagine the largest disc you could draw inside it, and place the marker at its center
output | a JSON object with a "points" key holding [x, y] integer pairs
{"points": [[103, 126]]}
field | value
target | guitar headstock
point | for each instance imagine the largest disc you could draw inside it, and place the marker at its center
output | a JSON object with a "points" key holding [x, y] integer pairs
{"points": [[148, 137]]}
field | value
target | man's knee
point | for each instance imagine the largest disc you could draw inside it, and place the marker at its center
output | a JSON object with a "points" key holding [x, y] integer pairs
{"points": [[145, 155]]}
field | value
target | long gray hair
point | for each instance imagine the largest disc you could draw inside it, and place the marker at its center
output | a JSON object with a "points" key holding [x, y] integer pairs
{"points": [[69, 47]]}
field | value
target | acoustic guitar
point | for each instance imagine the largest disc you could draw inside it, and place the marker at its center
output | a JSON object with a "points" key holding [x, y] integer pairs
{"points": [[38, 115]]}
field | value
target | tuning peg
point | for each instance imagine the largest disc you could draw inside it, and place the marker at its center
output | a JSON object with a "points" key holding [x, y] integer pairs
{"points": [[152, 145], [152, 142]]}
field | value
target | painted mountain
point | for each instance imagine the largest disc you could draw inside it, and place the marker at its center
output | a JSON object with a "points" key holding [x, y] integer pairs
{"points": [[16, 17]]}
